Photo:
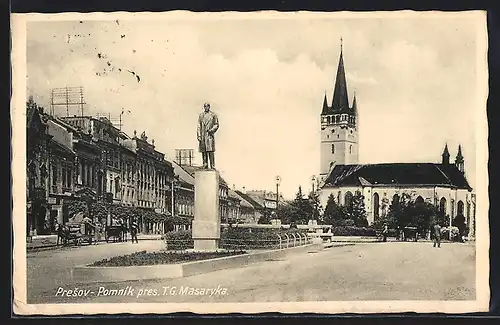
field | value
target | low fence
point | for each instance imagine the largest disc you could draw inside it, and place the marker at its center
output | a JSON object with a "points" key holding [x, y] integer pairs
{"points": [[280, 241]]}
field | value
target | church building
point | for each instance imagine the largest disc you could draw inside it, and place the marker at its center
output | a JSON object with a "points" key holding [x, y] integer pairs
{"points": [[444, 184]]}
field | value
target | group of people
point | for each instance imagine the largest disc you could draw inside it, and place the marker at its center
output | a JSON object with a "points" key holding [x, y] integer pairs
{"points": [[435, 233]]}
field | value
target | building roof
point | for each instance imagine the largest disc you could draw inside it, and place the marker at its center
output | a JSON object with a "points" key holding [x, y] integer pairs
{"points": [[397, 174], [250, 200], [62, 147], [233, 195]]}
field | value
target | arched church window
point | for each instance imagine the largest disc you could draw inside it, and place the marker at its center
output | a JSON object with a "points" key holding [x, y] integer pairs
{"points": [[419, 200], [460, 208], [442, 207], [333, 148], [395, 200], [348, 198], [376, 205]]}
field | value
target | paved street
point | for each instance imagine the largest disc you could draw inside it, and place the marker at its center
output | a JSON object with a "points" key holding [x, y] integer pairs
{"points": [[364, 271], [49, 269]]}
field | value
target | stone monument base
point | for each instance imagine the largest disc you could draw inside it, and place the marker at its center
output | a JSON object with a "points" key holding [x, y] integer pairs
{"points": [[206, 245], [206, 223]]}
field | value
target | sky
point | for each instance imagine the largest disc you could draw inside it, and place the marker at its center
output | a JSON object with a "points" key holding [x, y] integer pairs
{"points": [[265, 79]]}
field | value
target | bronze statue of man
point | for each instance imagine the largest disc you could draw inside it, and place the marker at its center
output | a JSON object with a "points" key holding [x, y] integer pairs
{"points": [[208, 124]]}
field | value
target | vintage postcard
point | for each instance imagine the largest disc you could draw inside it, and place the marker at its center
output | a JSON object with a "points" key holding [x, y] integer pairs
{"points": [[250, 162]]}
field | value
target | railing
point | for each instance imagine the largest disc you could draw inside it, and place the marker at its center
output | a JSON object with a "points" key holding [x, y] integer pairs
{"points": [[281, 241]]}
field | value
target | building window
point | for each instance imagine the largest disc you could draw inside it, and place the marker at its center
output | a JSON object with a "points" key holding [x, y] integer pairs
{"points": [[54, 175], [460, 208], [442, 207], [376, 205], [350, 149], [333, 148]]}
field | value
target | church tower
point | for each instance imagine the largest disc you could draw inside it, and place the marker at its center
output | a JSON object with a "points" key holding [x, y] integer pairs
{"points": [[339, 132]]}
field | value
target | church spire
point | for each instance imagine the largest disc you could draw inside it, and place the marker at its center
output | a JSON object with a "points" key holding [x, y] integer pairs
{"points": [[459, 160], [340, 102], [446, 155], [325, 106], [354, 105]]}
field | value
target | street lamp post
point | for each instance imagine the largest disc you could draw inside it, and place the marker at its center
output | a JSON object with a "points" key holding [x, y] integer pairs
{"points": [[278, 181], [313, 180]]}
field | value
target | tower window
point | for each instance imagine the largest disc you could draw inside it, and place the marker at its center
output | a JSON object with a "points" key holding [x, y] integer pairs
{"points": [[350, 149], [333, 148], [333, 130], [351, 131]]}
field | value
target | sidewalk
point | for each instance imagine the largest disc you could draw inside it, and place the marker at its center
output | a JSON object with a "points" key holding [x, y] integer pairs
{"points": [[50, 241]]}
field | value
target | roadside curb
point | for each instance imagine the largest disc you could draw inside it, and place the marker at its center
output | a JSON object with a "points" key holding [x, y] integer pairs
{"points": [[55, 246], [89, 274]]}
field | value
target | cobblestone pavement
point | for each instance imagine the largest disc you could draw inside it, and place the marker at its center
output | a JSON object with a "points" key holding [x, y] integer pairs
{"points": [[364, 271]]}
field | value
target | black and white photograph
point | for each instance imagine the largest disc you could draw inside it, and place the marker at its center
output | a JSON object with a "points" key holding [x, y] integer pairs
{"points": [[250, 162]]}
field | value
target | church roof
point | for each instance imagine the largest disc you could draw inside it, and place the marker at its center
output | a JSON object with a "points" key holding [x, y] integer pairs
{"points": [[397, 174]]}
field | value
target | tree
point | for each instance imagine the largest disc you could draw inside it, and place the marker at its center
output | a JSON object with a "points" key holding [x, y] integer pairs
{"points": [[356, 210], [459, 222], [408, 212], [334, 214], [315, 207], [286, 212], [265, 218]]}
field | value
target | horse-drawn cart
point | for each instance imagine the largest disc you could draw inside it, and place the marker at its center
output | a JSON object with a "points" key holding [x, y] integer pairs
{"points": [[74, 233], [116, 232]]}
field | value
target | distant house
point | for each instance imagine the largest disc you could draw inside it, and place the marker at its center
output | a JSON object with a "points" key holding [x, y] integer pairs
{"points": [[258, 208]]}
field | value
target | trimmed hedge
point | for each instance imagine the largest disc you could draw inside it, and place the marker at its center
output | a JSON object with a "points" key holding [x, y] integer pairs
{"points": [[232, 238], [178, 240], [353, 231]]}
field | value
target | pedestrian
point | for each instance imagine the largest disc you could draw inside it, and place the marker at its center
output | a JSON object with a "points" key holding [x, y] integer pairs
{"points": [[385, 233], [59, 229], [97, 232], [134, 228], [437, 235]]}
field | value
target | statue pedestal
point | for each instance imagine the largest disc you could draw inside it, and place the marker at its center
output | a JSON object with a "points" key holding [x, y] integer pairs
{"points": [[206, 224]]}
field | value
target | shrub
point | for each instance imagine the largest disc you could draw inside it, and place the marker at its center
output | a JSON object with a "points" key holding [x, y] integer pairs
{"points": [[178, 240], [353, 231], [455, 233], [155, 258]]}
